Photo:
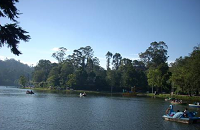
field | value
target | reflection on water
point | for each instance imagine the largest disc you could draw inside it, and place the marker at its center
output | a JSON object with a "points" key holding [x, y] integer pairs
{"points": [[66, 111]]}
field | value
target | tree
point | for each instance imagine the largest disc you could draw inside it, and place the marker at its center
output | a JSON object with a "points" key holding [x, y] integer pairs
{"points": [[155, 54], [11, 34], [108, 57], [22, 81], [71, 80], [116, 60], [59, 55], [129, 76], [42, 70], [186, 74], [81, 78], [66, 70], [139, 65], [53, 77], [86, 55], [154, 78], [158, 77]]}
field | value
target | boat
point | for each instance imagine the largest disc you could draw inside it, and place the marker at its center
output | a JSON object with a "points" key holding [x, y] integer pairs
{"points": [[130, 94], [29, 92], [82, 94], [182, 120], [197, 104], [169, 99], [177, 101], [181, 117]]}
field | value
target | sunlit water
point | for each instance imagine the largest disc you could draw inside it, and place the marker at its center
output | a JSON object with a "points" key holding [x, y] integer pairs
{"points": [[48, 111]]}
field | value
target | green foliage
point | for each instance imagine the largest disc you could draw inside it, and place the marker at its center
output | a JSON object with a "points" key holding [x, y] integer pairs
{"points": [[53, 77], [59, 55], [155, 58], [42, 70], [71, 80], [66, 69], [154, 78], [129, 76], [186, 74], [116, 60], [82, 71], [23, 81], [155, 55]]}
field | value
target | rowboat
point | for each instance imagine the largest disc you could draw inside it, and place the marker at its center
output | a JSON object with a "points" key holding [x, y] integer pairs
{"points": [[29, 92], [194, 105], [177, 101]]}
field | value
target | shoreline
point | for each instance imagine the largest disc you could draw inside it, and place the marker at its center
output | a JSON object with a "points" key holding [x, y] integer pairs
{"points": [[105, 93]]}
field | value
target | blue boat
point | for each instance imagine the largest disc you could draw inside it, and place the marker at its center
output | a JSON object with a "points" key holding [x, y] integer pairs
{"points": [[180, 116]]}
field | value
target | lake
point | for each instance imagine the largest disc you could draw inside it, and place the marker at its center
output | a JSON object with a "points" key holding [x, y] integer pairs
{"points": [[53, 111]]}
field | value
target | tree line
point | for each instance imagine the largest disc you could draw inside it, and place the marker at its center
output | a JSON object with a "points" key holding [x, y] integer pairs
{"points": [[81, 70]]}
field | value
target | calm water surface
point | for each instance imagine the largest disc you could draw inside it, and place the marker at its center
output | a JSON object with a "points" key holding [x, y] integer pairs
{"points": [[47, 111]]}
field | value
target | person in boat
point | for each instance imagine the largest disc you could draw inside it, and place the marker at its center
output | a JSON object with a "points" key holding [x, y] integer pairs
{"points": [[185, 112], [84, 94], [167, 111], [170, 111], [178, 114]]}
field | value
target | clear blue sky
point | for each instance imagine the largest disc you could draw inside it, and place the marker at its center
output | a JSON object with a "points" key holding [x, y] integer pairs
{"points": [[123, 26]]}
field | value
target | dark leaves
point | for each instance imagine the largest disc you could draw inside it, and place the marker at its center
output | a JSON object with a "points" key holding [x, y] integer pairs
{"points": [[8, 9], [11, 34]]}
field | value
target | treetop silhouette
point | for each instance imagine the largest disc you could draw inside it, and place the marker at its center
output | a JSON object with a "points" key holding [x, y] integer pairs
{"points": [[11, 34]]}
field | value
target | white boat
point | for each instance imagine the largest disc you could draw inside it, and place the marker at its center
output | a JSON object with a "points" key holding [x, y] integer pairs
{"points": [[195, 105], [82, 94]]}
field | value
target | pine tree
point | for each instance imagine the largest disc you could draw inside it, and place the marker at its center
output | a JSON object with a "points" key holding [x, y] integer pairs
{"points": [[11, 34]]}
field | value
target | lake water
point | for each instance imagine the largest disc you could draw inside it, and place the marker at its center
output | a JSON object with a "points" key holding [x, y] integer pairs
{"points": [[49, 111]]}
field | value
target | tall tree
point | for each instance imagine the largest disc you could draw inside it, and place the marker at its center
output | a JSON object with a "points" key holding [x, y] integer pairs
{"points": [[155, 54], [86, 54], [42, 70], [60, 54], [116, 60], [108, 57], [11, 34], [126, 61]]}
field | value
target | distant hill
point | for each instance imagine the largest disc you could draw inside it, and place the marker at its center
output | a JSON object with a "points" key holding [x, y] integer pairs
{"points": [[11, 70]]}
